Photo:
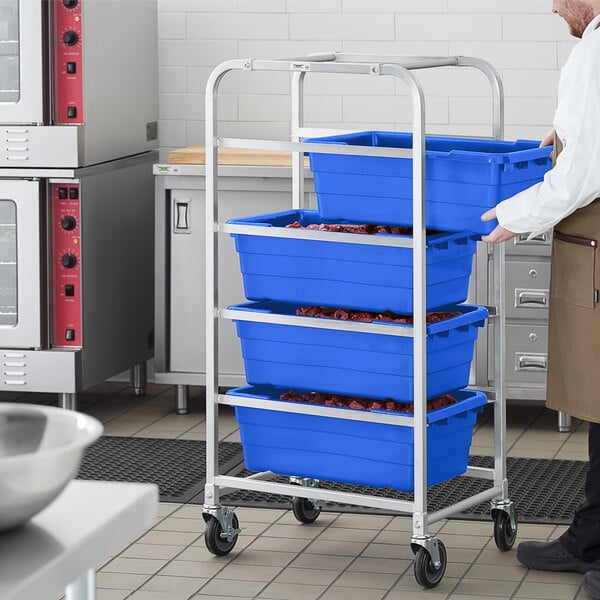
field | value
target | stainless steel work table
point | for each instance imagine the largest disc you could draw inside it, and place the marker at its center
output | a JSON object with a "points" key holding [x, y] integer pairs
{"points": [[59, 549]]}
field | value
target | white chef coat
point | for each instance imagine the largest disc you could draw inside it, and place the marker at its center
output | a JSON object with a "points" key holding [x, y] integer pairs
{"points": [[575, 180]]}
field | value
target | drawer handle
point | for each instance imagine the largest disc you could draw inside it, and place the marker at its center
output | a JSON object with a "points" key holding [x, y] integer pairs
{"points": [[526, 298], [542, 238], [531, 362]]}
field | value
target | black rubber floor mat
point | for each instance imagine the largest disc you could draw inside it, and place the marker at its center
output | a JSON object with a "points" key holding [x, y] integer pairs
{"points": [[543, 491], [178, 467]]}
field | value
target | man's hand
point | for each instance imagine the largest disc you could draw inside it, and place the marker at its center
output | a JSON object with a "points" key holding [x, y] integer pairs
{"points": [[499, 234], [548, 139]]}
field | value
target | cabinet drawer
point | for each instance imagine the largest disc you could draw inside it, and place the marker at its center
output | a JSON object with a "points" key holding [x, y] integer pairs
{"points": [[526, 353], [527, 289], [540, 245]]}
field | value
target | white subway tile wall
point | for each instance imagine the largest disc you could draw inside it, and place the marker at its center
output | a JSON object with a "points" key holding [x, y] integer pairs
{"points": [[522, 38]]}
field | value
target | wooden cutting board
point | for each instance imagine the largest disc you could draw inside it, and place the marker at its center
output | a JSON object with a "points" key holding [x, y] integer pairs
{"points": [[196, 155]]}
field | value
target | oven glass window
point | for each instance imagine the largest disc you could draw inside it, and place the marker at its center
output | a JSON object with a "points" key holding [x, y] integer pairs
{"points": [[9, 51], [8, 263]]}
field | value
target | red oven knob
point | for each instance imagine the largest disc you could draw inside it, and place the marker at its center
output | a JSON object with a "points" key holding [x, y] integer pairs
{"points": [[70, 38], [68, 260], [68, 223]]}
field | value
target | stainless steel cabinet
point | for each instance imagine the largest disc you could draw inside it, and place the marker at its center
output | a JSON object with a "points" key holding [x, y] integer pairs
{"points": [[527, 297], [527, 278], [180, 266]]}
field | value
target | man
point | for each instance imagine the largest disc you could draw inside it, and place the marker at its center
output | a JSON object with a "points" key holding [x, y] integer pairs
{"points": [[567, 201]]}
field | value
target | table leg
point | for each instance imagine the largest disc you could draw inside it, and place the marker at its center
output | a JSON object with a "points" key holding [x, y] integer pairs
{"points": [[83, 588], [564, 422]]}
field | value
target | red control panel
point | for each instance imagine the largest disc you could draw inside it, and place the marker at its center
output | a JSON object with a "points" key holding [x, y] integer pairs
{"points": [[66, 269], [68, 63]]}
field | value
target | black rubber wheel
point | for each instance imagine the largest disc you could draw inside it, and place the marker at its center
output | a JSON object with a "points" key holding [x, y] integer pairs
{"points": [[304, 510], [215, 544], [504, 534], [426, 574]]}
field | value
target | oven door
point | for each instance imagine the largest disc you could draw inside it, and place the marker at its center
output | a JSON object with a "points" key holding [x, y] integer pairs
{"points": [[22, 39], [20, 264]]}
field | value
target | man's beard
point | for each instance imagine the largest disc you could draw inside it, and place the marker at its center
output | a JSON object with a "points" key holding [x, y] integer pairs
{"points": [[584, 17]]}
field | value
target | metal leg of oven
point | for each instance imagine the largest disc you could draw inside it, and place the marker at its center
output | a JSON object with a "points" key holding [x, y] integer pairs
{"points": [[138, 378], [183, 396], [68, 401]]}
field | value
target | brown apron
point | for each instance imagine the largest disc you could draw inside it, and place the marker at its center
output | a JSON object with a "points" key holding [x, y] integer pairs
{"points": [[574, 325]]}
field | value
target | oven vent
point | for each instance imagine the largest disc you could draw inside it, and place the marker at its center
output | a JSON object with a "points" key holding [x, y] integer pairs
{"points": [[14, 369], [16, 144]]}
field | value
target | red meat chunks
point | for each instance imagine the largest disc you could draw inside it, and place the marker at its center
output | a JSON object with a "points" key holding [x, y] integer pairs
{"points": [[365, 403], [364, 316], [366, 228]]}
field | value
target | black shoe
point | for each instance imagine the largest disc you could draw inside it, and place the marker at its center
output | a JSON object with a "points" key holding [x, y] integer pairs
{"points": [[591, 584], [552, 556]]}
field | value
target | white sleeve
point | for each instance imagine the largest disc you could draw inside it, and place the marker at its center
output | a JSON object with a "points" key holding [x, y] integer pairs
{"points": [[574, 181]]}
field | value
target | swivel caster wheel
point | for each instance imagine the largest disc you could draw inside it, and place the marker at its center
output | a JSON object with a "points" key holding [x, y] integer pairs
{"points": [[216, 540], [426, 573], [304, 510], [504, 533]]}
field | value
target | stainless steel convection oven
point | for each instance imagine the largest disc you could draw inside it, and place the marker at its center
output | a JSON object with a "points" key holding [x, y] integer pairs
{"points": [[78, 137]]}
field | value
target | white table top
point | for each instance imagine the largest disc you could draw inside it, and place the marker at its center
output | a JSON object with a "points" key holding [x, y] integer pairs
{"points": [[87, 523]]}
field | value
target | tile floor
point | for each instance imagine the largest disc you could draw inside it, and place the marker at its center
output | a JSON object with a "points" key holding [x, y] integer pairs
{"points": [[340, 556]]}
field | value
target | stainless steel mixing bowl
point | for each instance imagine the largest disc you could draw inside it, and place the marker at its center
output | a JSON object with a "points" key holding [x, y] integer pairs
{"points": [[41, 448]]}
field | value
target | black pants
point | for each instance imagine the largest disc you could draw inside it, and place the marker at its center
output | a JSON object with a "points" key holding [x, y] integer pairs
{"points": [[582, 539]]}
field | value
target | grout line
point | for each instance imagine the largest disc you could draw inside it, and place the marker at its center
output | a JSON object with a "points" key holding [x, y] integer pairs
{"points": [[170, 560], [138, 403], [360, 554]]}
